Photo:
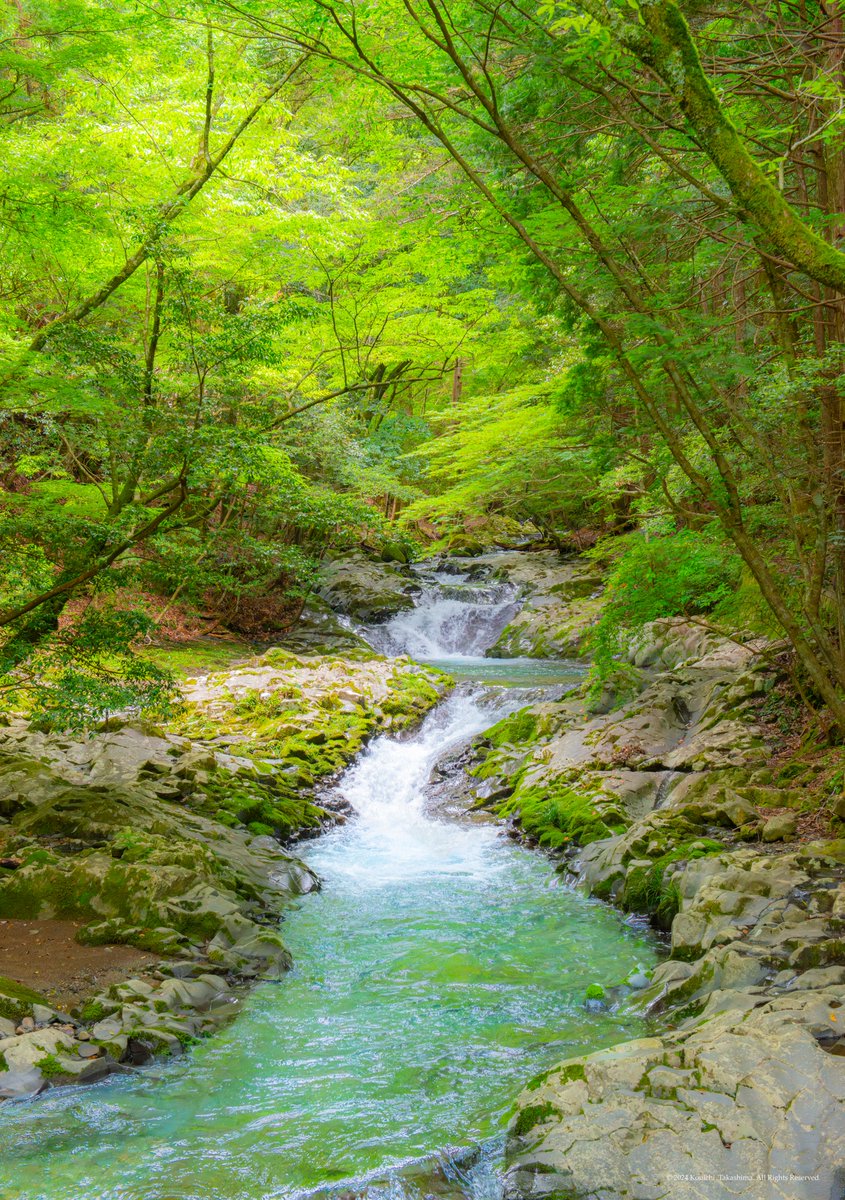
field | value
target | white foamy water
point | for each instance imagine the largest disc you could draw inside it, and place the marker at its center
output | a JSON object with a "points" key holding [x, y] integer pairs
{"points": [[394, 837], [452, 618]]}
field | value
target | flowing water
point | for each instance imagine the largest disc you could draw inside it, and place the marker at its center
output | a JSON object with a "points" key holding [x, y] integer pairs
{"points": [[455, 617], [440, 968]]}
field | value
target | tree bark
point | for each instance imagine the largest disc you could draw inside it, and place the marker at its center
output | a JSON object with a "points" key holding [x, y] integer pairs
{"points": [[662, 42]]}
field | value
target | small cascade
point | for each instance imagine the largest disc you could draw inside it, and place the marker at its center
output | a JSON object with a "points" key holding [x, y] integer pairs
{"points": [[395, 838], [454, 616], [665, 787]]}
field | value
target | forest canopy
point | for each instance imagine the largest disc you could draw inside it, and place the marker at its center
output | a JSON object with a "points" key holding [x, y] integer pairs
{"points": [[278, 279]]}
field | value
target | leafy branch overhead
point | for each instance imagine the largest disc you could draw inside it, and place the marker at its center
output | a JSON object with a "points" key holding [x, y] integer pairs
{"points": [[276, 281]]}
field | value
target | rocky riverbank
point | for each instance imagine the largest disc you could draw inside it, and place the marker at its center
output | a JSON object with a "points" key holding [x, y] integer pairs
{"points": [[171, 844], [664, 794], [668, 805]]}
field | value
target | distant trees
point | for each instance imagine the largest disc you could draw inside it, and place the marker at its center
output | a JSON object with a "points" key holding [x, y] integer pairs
{"points": [[218, 334]]}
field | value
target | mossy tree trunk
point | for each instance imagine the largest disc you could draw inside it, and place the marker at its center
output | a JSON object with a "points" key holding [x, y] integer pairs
{"points": [[662, 41]]}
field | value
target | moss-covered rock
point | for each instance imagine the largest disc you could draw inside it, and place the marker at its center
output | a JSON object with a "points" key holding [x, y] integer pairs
{"points": [[16, 1000], [366, 589], [556, 816], [650, 889], [170, 842]]}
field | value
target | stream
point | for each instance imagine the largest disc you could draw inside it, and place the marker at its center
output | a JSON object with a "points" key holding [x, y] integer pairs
{"points": [[438, 970]]}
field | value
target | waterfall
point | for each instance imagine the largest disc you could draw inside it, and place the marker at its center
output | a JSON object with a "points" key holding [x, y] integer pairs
{"points": [[395, 836], [454, 617]]}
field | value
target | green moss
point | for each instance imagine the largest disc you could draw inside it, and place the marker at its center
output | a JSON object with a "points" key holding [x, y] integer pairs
{"points": [[646, 890], [16, 1000], [37, 854], [557, 815], [157, 940], [603, 890], [50, 1067], [594, 992], [533, 1115], [412, 694], [92, 1011], [518, 728], [267, 805]]}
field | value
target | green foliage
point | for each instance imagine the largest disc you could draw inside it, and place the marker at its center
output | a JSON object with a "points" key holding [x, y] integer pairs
{"points": [[648, 891], [211, 379], [79, 675], [675, 574]]}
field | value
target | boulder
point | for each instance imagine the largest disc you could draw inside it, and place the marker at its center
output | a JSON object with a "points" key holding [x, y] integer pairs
{"points": [[366, 590], [27, 1081], [781, 827]]}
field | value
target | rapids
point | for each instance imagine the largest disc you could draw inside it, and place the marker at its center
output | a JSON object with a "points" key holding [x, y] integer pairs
{"points": [[440, 967]]}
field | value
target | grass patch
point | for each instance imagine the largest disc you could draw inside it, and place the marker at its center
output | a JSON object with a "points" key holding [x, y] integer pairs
{"points": [[200, 657], [648, 891]]}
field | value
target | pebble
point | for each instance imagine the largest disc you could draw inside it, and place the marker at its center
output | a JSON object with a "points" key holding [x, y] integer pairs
{"points": [[87, 1050], [27, 1025]]}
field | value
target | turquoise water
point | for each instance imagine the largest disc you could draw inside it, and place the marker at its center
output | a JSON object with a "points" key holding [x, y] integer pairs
{"points": [[511, 672], [438, 970]]}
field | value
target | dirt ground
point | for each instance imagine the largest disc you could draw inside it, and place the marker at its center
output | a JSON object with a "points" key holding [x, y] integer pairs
{"points": [[44, 956]]}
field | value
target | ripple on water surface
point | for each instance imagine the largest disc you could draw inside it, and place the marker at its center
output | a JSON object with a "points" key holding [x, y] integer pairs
{"points": [[438, 970]]}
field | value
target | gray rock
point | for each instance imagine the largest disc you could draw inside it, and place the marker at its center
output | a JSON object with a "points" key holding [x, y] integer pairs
{"points": [[780, 828], [27, 1081], [106, 1029], [370, 591], [97, 1068], [28, 1049]]}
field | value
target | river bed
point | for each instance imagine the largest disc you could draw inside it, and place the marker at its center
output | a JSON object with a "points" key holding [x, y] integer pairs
{"points": [[438, 970]]}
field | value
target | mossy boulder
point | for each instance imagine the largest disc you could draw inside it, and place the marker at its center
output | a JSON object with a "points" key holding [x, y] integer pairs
{"points": [[16, 1000], [365, 589]]}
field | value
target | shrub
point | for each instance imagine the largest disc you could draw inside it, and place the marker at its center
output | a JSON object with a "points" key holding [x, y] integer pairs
{"points": [[677, 574]]}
